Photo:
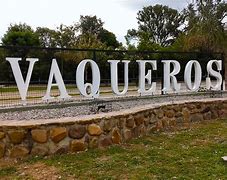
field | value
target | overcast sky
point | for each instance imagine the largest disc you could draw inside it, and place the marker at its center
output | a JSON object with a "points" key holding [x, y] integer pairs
{"points": [[118, 15]]}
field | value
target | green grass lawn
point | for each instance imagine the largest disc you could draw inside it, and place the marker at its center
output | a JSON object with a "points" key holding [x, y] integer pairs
{"points": [[186, 154]]}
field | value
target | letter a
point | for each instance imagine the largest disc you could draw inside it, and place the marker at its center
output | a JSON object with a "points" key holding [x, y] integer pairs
{"points": [[21, 85], [55, 72]]}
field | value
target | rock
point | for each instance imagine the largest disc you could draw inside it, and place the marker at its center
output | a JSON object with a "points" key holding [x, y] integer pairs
{"points": [[77, 132], [130, 122], [77, 145], [169, 113], [159, 113], [186, 115], [177, 108], [153, 118], [105, 141], [136, 132], [94, 130], [146, 121], [127, 134], [214, 114], [196, 118], [205, 110], [179, 120], [93, 143], [40, 150], [165, 122], [16, 136], [207, 116], [116, 136], [172, 123], [19, 151], [2, 135], [62, 150], [121, 123], [57, 134], [178, 114], [159, 125], [139, 119], [2, 150], [39, 135], [107, 125]]}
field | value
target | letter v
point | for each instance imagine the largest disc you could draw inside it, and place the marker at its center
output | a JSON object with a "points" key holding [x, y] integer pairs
{"points": [[21, 85]]}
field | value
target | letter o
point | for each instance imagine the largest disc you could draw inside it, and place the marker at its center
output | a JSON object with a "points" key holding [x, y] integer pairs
{"points": [[188, 74]]}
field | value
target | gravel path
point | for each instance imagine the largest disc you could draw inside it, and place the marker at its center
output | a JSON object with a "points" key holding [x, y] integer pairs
{"points": [[93, 107]]}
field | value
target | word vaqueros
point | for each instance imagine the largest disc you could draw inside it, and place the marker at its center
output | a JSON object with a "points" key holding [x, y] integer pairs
{"points": [[169, 82]]}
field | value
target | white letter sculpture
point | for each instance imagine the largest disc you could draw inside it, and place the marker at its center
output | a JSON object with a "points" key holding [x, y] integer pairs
{"points": [[21, 85], [114, 77], [142, 77], [215, 74], [170, 77], [55, 73], [95, 79], [188, 75]]}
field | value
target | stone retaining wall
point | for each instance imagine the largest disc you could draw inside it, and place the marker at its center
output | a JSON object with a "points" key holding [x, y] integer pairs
{"points": [[44, 137]]}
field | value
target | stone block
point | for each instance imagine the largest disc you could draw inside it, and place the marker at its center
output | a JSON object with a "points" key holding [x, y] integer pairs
{"points": [[159, 126], [77, 132], [94, 130], [214, 114], [178, 114], [93, 143], [2, 150], [19, 151], [40, 150], [2, 135], [108, 124], [127, 134], [77, 145], [186, 115], [116, 136], [139, 119], [130, 122], [196, 118], [165, 122], [39, 135], [105, 141], [121, 123], [57, 134], [207, 116], [16, 136], [169, 113], [159, 113]]}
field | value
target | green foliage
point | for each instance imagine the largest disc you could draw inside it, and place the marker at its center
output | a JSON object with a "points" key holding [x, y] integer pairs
{"points": [[158, 25], [93, 26], [205, 30], [108, 38], [90, 25], [20, 35], [47, 37], [7, 171]]}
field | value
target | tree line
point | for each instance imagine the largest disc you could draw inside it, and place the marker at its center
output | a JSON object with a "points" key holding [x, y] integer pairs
{"points": [[198, 27]]}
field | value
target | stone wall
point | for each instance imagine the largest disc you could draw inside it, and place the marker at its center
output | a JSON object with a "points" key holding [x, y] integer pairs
{"points": [[55, 136]]}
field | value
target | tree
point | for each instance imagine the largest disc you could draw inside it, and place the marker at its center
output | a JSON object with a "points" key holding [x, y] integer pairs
{"points": [[90, 26], [205, 29], [47, 37], [108, 38], [158, 25], [20, 35], [67, 36]]}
